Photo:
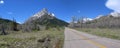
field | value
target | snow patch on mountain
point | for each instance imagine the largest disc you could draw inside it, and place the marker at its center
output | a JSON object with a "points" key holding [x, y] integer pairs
{"points": [[87, 19], [115, 14], [99, 16]]}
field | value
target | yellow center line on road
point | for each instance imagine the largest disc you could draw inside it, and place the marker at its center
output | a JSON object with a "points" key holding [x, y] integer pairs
{"points": [[91, 41]]}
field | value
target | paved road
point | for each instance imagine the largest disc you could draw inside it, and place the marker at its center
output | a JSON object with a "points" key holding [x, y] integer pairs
{"points": [[76, 39]]}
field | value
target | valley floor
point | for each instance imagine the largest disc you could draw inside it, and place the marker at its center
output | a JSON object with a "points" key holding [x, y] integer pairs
{"points": [[105, 32], [37, 39]]}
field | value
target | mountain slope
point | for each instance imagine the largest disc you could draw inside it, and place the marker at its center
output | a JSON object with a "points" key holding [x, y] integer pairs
{"points": [[108, 21], [8, 24], [4, 21], [45, 19]]}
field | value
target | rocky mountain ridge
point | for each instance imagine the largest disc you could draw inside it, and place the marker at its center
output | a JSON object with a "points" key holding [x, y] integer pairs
{"points": [[46, 19]]}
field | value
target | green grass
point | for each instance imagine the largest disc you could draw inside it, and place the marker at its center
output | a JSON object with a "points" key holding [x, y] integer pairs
{"points": [[109, 33], [30, 39]]}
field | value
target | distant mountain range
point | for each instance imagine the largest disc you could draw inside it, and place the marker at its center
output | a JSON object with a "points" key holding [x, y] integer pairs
{"points": [[113, 14], [111, 20], [105, 21]]}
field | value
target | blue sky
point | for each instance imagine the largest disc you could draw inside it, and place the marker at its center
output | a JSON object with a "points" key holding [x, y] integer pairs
{"points": [[21, 10]]}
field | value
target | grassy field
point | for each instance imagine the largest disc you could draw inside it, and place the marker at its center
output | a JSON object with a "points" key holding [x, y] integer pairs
{"points": [[34, 39], [109, 33]]}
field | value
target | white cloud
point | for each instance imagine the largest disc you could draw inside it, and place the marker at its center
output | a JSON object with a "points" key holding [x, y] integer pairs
{"points": [[114, 5], [1, 2]]}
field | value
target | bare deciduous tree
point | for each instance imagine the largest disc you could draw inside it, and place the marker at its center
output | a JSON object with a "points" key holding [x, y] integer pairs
{"points": [[72, 24], [3, 30]]}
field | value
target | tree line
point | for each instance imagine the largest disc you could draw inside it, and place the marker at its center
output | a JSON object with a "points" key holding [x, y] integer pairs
{"points": [[103, 22]]}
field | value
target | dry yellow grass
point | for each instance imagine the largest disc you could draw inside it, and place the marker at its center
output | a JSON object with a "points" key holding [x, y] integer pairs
{"points": [[30, 39], [109, 33]]}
